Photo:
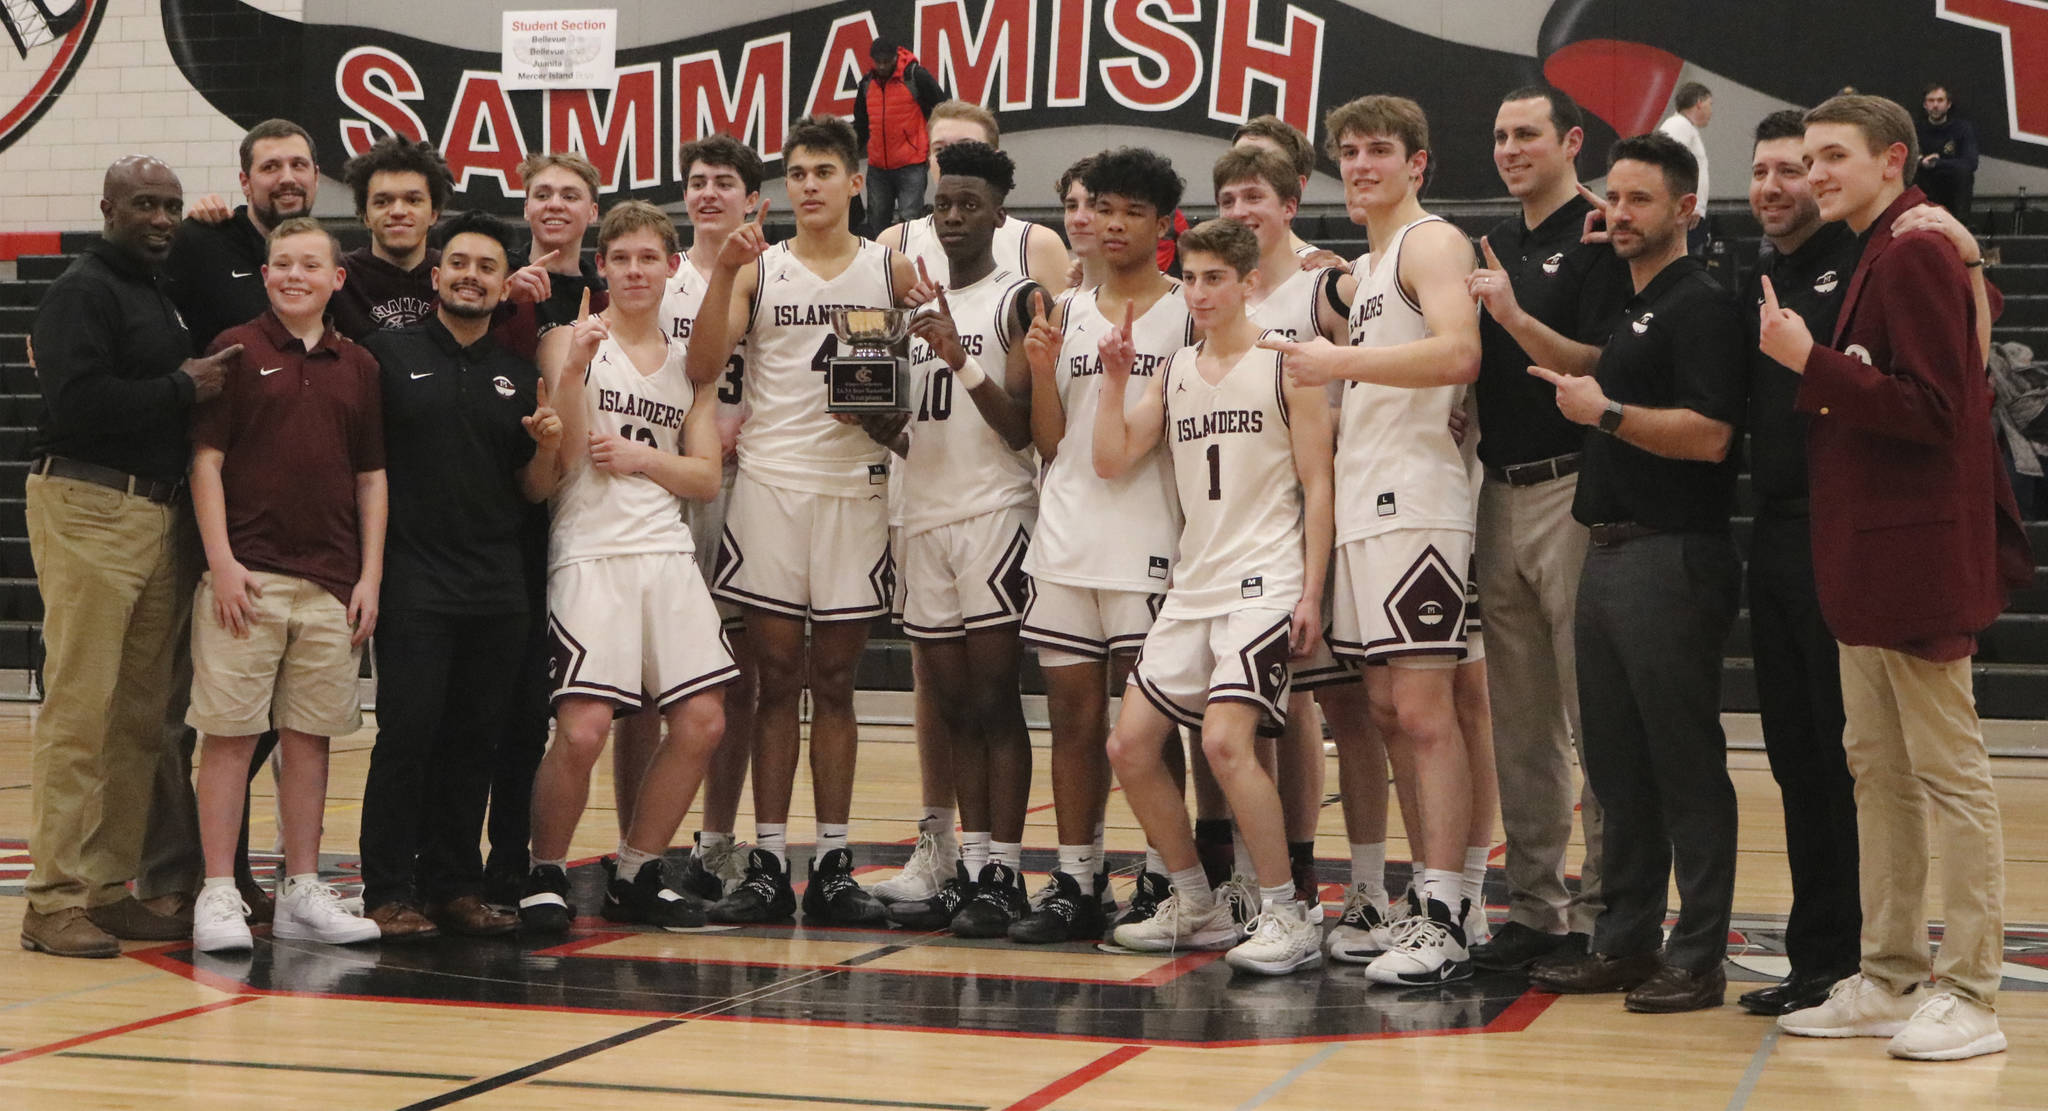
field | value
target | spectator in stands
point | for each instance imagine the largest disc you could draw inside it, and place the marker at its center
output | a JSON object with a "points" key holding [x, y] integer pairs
{"points": [[1948, 154], [400, 188], [1695, 109], [215, 277], [890, 107], [110, 530]]}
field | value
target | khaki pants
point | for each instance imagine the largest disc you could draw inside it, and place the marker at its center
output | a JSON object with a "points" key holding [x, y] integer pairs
{"points": [[115, 572], [1530, 552], [1913, 740]]}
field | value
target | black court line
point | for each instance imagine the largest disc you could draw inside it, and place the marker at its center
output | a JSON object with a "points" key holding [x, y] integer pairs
{"points": [[878, 954], [524, 1072], [279, 1066]]}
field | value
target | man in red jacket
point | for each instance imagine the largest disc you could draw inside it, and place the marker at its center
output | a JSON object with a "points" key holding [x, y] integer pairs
{"points": [[1915, 543], [889, 112]]}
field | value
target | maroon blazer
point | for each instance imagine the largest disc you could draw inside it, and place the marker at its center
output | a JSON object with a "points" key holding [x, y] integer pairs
{"points": [[1916, 536]]}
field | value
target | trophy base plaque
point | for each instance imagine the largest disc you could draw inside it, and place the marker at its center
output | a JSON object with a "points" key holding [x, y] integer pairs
{"points": [[867, 384]]}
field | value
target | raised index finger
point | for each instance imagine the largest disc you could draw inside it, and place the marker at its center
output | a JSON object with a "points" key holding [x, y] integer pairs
{"points": [[1130, 311], [761, 213], [1548, 375], [540, 392], [1770, 296], [1599, 201], [583, 304], [546, 258], [1486, 249], [1038, 306]]}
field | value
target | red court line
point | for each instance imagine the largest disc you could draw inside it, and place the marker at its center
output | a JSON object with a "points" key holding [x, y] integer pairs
{"points": [[1520, 1013], [125, 1028], [1067, 1084]]}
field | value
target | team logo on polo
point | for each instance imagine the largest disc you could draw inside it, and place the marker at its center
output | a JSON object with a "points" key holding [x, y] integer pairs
{"points": [[1551, 264], [1827, 282], [1642, 323], [50, 39], [503, 385]]}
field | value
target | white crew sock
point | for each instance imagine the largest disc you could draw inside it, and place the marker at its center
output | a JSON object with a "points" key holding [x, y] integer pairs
{"points": [[938, 821], [1081, 863], [974, 852], [773, 837], [1441, 885], [1474, 886], [1191, 887], [291, 884], [1369, 867], [1010, 854], [1154, 863], [631, 860], [831, 837], [709, 842]]}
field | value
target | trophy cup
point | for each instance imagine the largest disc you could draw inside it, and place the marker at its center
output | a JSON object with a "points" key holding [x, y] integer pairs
{"points": [[874, 376]]}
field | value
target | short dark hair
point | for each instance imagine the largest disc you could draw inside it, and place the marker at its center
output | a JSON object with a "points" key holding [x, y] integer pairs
{"points": [[972, 159], [1933, 85], [1226, 239], [881, 50], [1564, 111], [1681, 169], [475, 222], [1787, 124], [1691, 93], [1074, 173], [274, 129], [1136, 174], [1257, 164], [726, 151], [395, 154], [1678, 165], [1397, 117], [1284, 135], [304, 225], [827, 133]]}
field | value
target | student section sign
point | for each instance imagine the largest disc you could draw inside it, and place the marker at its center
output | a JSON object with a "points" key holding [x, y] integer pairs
{"points": [[1190, 67]]}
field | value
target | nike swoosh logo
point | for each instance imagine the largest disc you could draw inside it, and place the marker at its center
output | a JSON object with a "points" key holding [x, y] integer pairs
{"points": [[267, 371], [425, 374], [241, 273]]}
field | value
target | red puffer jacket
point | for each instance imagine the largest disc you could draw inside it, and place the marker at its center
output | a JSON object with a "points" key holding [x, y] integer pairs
{"points": [[889, 113]]}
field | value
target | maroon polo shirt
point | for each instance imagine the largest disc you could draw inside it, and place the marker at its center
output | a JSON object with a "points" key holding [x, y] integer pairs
{"points": [[296, 426]]}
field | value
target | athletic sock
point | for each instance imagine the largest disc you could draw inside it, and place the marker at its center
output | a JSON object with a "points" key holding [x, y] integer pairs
{"points": [[1474, 886], [1098, 842], [938, 821], [293, 883], [1442, 885], [1191, 887], [1154, 863], [974, 852], [1010, 854], [708, 842], [773, 837], [1241, 855], [1275, 898], [831, 837], [631, 860], [1080, 862], [1369, 867], [216, 881]]}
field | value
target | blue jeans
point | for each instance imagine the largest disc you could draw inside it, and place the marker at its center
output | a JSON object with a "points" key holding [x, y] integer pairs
{"points": [[895, 196]]}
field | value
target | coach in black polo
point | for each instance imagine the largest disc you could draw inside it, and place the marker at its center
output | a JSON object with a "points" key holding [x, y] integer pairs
{"points": [[1658, 596], [466, 449], [1550, 299]]}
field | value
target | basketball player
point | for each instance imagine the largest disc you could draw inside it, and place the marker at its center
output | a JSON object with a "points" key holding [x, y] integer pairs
{"points": [[1024, 249], [1259, 188], [1084, 268], [628, 615], [969, 501], [1404, 526], [722, 186], [1096, 587], [1251, 460], [1271, 133], [806, 534]]}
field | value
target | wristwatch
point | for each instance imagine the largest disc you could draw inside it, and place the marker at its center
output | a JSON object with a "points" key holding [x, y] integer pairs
{"points": [[1610, 419]]}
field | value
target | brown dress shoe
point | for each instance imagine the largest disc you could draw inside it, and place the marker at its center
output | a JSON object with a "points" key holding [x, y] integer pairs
{"points": [[178, 905], [66, 932], [1675, 989], [127, 919], [1595, 973], [402, 922], [262, 908], [470, 916]]}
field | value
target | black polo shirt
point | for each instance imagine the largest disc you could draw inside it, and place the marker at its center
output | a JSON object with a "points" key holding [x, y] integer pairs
{"points": [[1679, 344], [109, 344], [1576, 289], [215, 275], [1811, 281], [453, 447]]}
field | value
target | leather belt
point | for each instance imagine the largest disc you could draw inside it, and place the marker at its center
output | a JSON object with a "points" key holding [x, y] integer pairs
{"points": [[155, 489], [1541, 471], [1620, 532]]}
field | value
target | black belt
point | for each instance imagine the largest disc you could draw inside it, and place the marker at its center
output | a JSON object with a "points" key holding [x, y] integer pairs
{"points": [[1620, 532], [155, 489], [1787, 507], [1532, 474]]}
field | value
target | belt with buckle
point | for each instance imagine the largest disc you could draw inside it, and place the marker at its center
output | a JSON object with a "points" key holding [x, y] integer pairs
{"points": [[1620, 532], [155, 489], [1541, 471]]}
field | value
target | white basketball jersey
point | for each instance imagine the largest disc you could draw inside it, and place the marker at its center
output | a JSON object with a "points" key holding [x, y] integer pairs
{"points": [[596, 514], [1120, 533], [921, 243], [679, 305], [1233, 462], [1397, 465], [1291, 309], [958, 466], [789, 440]]}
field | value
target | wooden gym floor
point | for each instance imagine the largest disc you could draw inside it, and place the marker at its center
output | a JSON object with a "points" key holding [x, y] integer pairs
{"points": [[793, 1018]]}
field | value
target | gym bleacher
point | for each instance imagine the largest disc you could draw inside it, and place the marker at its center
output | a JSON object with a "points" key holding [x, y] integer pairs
{"points": [[2011, 666]]}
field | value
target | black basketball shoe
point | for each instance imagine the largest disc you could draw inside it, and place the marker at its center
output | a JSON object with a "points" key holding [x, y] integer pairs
{"points": [[764, 896], [1152, 890], [999, 900], [935, 913], [835, 898], [1064, 915], [544, 909], [646, 900]]}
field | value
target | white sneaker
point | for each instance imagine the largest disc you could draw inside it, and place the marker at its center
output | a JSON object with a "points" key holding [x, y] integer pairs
{"points": [[1949, 1027], [923, 874], [220, 921], [1172, 929], [1283, 940], [1857, 1007], [1241, 894], [313, 912], [728, 862], [1364, 930], [1425, 950]]}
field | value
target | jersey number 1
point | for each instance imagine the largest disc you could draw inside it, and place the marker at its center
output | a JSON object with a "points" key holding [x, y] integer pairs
{"points": [[1215, 454]]}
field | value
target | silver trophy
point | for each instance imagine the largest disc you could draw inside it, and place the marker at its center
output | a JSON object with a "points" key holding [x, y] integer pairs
{"points": [[872, 375]]}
